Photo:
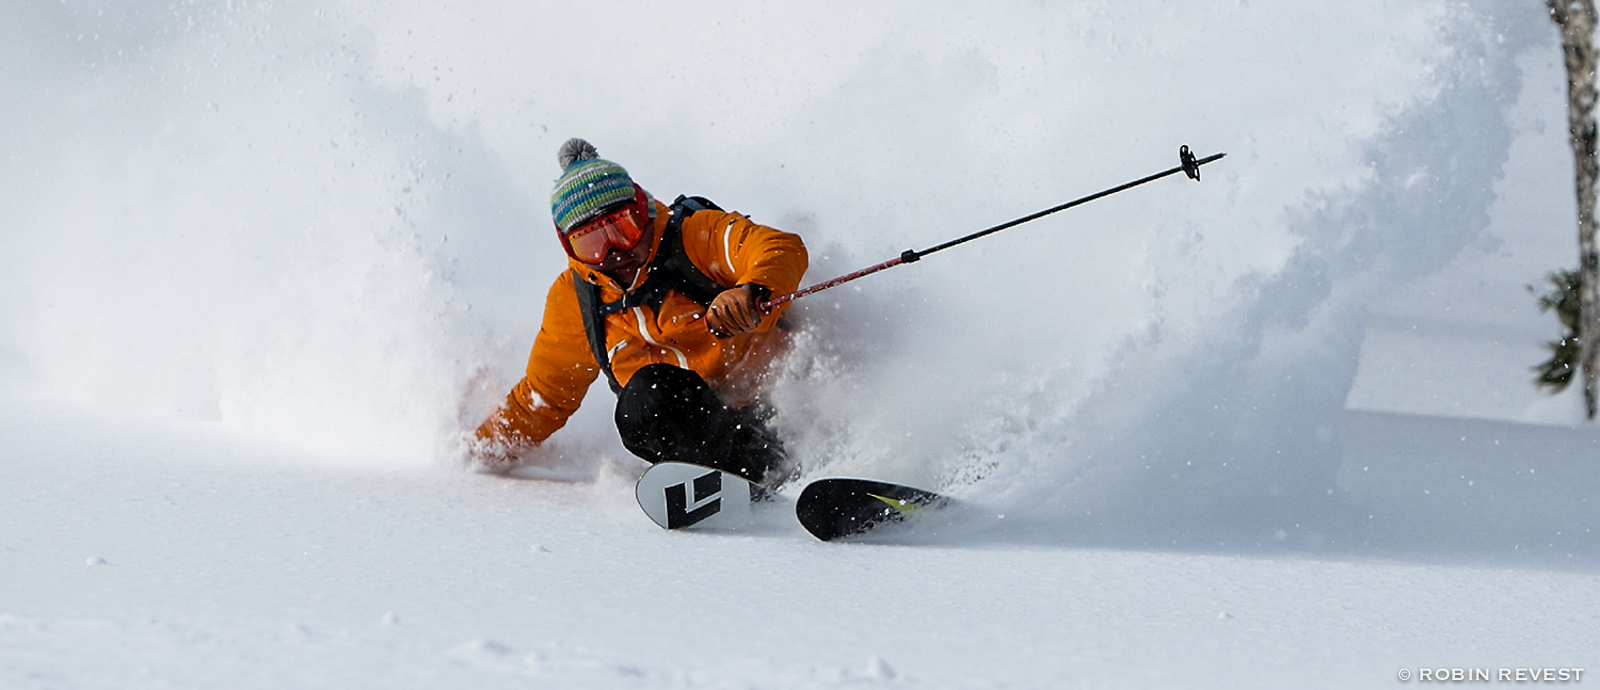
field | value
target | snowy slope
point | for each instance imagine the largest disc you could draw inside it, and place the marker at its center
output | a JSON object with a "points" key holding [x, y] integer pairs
{"points": [[263, 261], [150, 555]]}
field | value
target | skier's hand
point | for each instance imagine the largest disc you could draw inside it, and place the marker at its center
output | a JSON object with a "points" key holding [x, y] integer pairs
{"points": [[487, 456], [734, 312]]}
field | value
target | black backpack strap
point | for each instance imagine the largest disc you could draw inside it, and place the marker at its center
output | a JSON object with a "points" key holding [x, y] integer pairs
{"points": [[686, 277], [594, 326]]}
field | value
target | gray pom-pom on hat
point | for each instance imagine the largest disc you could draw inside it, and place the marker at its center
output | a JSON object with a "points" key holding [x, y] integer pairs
{"points": [[588, 186], [575, 150]]}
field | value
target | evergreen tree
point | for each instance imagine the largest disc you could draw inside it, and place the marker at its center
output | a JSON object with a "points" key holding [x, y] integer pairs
{"points": [[1556, 373]]}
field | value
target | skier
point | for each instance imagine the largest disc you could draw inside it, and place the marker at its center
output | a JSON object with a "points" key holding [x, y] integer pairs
{"points": [[663, 300]]}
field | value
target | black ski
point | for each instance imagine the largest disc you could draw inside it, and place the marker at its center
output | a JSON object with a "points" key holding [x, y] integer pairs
{"points": [[834, 508]]}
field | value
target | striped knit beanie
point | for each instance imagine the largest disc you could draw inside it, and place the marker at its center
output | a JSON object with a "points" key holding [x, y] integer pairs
{"points": [[588, 185]]}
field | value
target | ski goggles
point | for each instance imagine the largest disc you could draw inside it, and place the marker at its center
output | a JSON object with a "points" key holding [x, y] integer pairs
{"points": [[618, 231]]}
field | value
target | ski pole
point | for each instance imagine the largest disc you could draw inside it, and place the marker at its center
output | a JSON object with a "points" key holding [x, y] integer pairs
{"points": [[1186, 164]]}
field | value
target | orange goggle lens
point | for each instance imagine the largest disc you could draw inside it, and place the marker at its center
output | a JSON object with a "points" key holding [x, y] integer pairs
{"points": [[615, 231]]}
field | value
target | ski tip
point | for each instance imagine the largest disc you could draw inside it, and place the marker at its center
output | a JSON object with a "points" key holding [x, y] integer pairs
{"points": [[842, 507], [679, 496]]}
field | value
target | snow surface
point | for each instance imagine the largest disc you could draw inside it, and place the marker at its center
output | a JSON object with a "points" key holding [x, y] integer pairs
{"points": [[263, 261]]}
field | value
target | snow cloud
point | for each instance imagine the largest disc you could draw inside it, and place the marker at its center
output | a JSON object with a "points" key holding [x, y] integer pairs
{"points": [[324, 222]]}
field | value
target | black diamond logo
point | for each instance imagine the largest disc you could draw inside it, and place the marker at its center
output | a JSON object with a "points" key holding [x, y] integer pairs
{"points": [[707, 499]]}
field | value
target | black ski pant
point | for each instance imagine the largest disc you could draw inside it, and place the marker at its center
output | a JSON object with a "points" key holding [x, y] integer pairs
{"points": [[669, 414]]}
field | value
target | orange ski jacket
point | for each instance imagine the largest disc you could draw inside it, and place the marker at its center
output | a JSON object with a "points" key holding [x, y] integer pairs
{"points": [[728, 248]]}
